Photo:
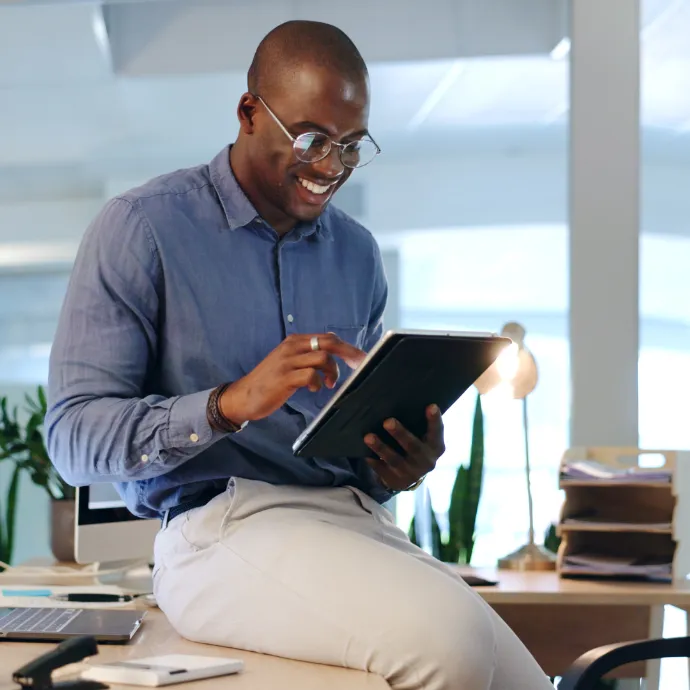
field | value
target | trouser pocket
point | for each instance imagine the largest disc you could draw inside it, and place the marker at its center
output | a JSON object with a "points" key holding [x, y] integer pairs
{"points": [[202, 527]]}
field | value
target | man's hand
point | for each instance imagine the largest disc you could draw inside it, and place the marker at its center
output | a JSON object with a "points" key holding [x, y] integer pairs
{"points": [[397, 472], [292, 365]]}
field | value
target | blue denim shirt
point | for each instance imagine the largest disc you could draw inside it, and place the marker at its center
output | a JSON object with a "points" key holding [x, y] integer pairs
{"points": [[179, 286]]}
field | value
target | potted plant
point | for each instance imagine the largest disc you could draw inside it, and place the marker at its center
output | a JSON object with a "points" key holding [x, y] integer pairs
{"points": [[22, 445], [464, 503]]}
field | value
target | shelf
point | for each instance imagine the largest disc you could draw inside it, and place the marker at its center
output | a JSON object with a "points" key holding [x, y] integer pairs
{"points": [[598, 574], [613, 482], [639, 527], [632, 513]]}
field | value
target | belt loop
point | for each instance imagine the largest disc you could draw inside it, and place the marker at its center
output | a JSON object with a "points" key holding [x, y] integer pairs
{"points": [[165, 520]]}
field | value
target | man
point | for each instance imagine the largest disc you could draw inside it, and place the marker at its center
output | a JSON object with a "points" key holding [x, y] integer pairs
{"points": [[201, 332]]}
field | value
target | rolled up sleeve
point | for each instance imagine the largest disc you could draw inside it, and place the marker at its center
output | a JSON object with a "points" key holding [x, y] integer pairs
{"points": [[102, 426]]}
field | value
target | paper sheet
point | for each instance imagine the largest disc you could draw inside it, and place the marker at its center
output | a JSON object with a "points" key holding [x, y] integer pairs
{"points": [[590, 469], [616, 524], [619, 565]]}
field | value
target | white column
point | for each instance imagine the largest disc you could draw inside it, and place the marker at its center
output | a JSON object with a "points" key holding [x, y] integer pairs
{"points": [[391, 265], [604, 220]]}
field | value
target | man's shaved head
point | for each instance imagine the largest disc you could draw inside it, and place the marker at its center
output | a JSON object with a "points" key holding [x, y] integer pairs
{"points": [[290, 46]]}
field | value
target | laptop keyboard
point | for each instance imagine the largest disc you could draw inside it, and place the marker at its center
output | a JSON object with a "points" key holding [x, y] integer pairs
{"points": [[37, 620]]}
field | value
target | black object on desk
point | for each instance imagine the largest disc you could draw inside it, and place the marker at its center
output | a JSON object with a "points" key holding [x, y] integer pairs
{"points": [[474, 581], [97, 597], [37, 673]]}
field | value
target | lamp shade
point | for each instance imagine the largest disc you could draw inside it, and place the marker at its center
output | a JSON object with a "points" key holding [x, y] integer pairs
{"points": [[515, 368]]}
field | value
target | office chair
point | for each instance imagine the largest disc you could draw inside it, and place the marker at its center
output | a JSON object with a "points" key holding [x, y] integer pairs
{"points": [[584, 673]]}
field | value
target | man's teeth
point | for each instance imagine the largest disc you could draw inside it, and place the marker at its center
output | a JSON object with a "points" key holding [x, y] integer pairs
{"points": [[313, 187]]}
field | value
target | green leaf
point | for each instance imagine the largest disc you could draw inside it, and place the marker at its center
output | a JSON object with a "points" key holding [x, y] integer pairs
{"points": [[33, 425], [551, 539], [437, 545], [456, 515], [412, 532], [3, 539], [39, 404], [42, 400], [40, 478], [475, 477], [465, 496], [24, 444], [438, 548], [11, 514]]}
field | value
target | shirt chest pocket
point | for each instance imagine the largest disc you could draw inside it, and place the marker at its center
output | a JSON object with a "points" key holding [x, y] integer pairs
{"points": [[350, 334]]}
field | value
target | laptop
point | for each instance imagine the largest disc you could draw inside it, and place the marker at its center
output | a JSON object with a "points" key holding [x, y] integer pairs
{"points": [[55, 624]]}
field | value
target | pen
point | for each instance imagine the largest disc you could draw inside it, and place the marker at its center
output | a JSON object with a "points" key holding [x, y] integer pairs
{"points": [[87, 597]]}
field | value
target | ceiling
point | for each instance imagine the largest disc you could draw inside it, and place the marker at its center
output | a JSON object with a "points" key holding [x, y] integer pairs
{"points": [[90, 90]]}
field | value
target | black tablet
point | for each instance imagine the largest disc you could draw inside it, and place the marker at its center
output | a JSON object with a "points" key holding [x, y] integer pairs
{"points": [[403, 373]]}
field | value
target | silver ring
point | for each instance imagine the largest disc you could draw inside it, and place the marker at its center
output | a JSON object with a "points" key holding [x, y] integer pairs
{"points": [[314, 343]]}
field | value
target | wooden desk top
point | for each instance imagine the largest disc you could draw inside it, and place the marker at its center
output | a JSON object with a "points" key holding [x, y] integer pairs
{"points": [[262, 671], [547, 588], [156, 637]]}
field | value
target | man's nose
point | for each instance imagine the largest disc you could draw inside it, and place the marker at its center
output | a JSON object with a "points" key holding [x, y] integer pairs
{"points": [[331, 166]]}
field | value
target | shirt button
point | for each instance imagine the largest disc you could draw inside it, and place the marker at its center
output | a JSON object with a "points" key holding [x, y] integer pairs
{"points": [[144, 458], [290, 318], [194, 438]]}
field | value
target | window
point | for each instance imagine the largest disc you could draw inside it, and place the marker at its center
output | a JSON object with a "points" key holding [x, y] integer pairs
{"points": [[29, 310], [478, 279], [664, 367]]}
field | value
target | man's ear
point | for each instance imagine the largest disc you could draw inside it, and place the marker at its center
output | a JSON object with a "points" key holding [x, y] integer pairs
{"points": [[246, 110]]}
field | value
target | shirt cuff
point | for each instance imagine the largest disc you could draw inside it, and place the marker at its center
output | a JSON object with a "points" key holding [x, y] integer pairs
{"points": [[188, 427]]}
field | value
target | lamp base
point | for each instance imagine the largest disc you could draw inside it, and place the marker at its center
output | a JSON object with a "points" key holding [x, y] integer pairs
{"points": [[529, 557]]}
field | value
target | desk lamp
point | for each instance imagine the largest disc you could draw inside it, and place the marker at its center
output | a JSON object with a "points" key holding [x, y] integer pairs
{"points": [[515, 373]]}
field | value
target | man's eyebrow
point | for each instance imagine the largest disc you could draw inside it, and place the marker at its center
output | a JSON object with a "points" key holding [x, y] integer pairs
{"points": [[307, 125]]}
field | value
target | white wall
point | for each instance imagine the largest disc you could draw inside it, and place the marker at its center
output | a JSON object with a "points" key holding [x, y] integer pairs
{"points": [[43, 233], [49, 221], [463, 190], [504, 190]]}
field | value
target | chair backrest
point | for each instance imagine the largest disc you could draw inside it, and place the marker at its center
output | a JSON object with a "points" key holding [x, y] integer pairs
{"points": [[592, 666]]}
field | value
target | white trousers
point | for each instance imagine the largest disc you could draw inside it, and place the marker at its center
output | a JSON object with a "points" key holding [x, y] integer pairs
{"points": [[324, 575]]}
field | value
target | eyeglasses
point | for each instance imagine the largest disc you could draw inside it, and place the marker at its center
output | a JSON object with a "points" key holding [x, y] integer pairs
{"points": [[311, 147]]}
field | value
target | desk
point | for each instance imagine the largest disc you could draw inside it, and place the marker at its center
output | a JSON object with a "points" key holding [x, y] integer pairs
{"points": [[557, 619], [261, 672], [560, 619]]}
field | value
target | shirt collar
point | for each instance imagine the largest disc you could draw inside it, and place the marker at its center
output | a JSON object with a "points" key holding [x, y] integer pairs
{"points": [[239, 211]]}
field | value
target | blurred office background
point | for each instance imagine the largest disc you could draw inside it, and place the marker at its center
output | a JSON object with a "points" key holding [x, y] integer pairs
{"points": [[469, 200]]}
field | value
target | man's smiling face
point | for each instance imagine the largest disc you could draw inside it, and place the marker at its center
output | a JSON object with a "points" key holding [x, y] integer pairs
{"points": [[314, 100]]}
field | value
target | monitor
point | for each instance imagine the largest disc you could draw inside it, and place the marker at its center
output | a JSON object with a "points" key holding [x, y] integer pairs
{"points": [[106, 532]]}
